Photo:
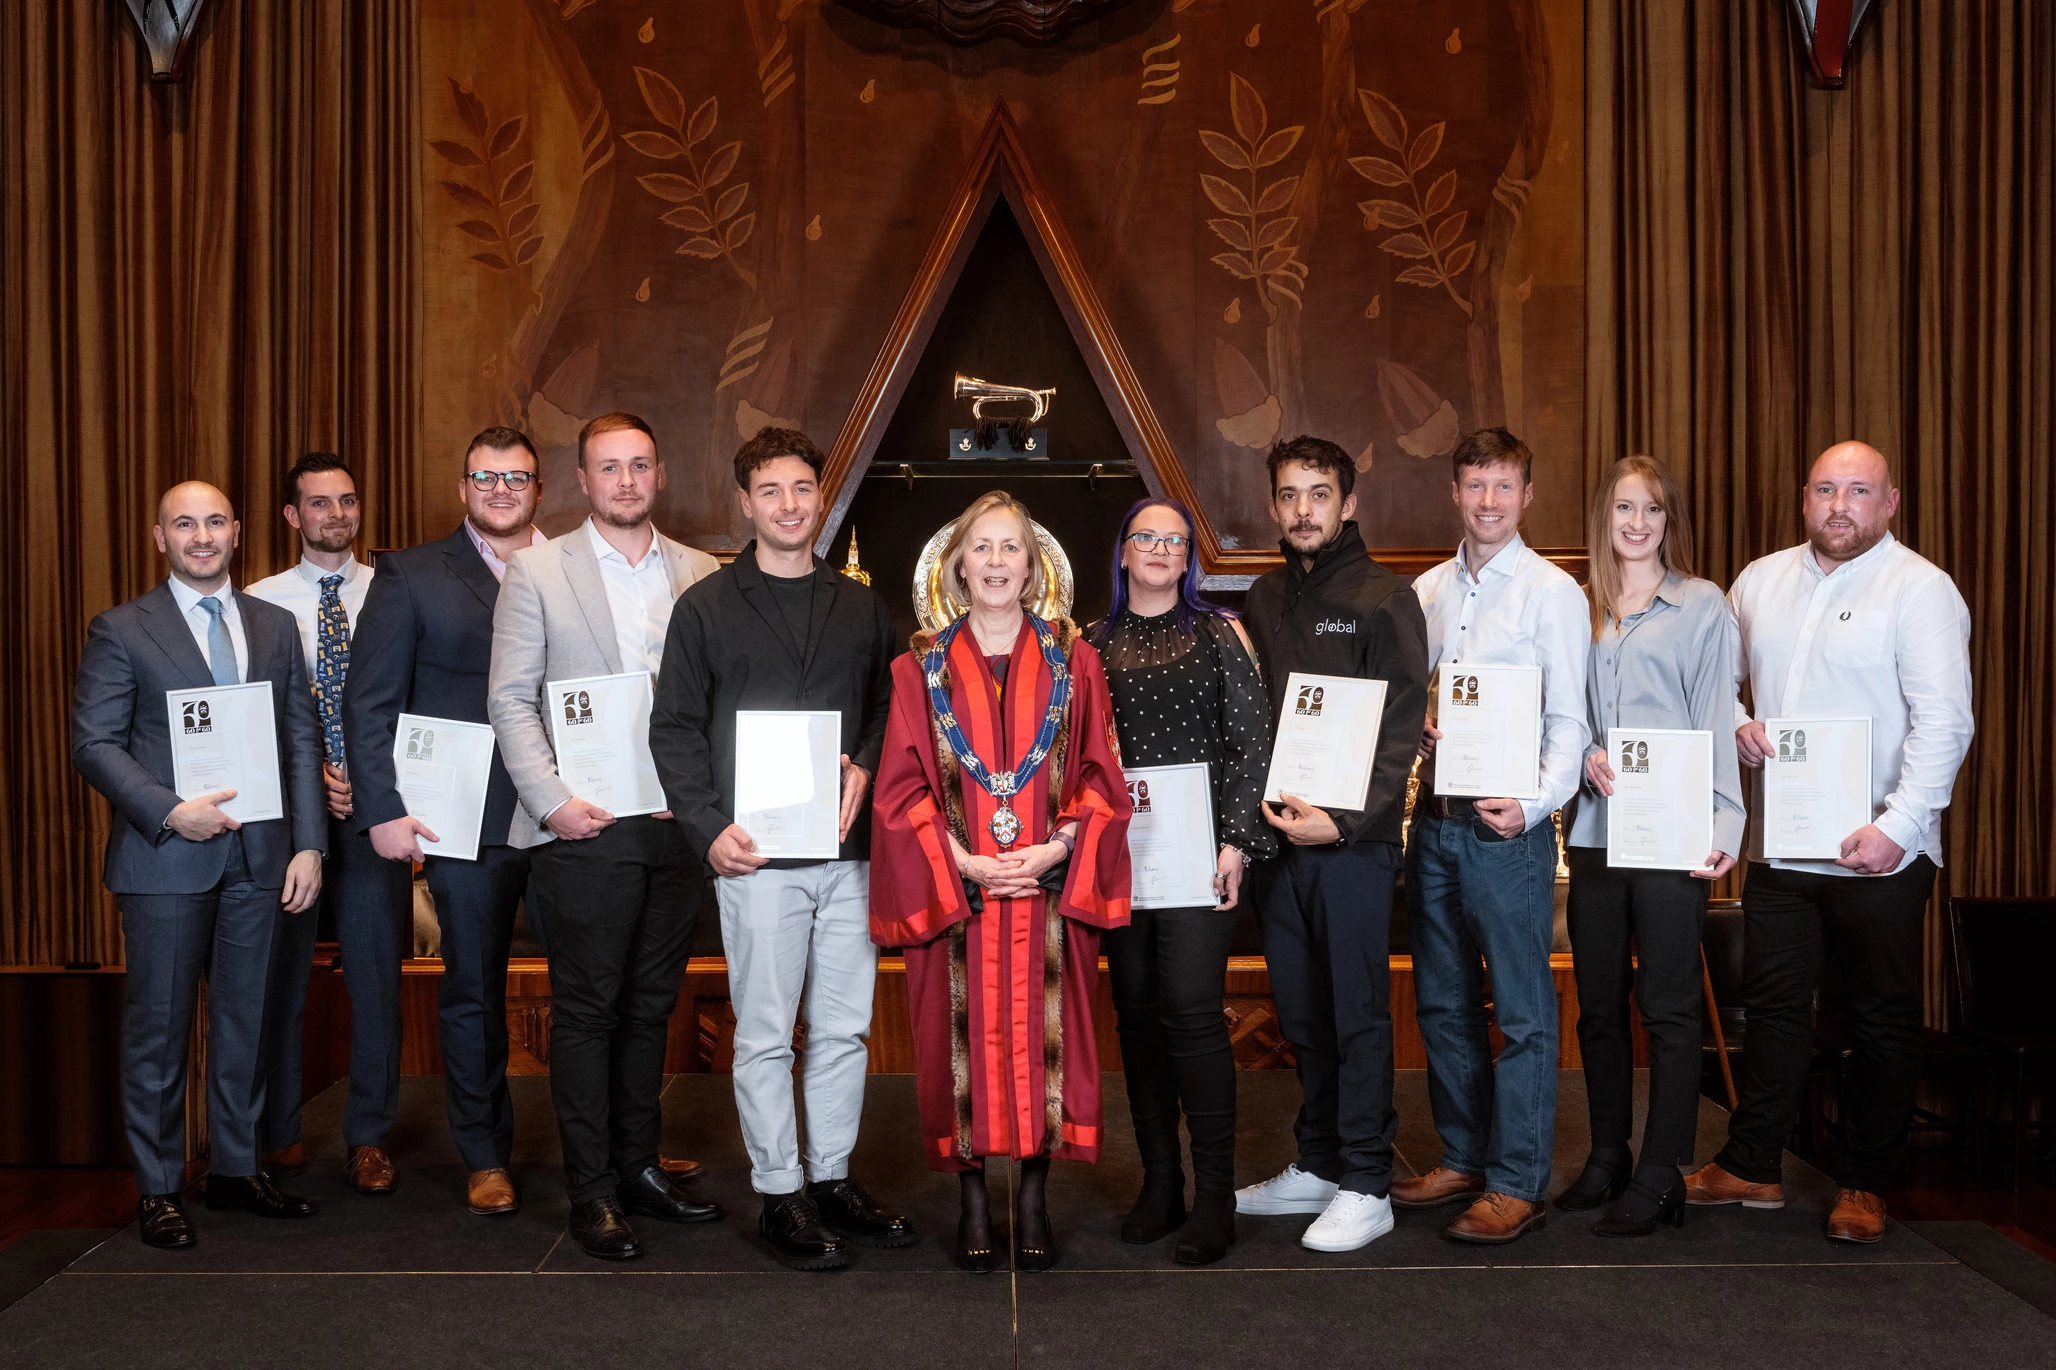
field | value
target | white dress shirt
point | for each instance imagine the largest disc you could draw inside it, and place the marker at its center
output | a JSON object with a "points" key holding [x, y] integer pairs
{"points": [[1519, 611], [491, 558], [199, 620], [1885, 635], [298, 591], [639, 597]]}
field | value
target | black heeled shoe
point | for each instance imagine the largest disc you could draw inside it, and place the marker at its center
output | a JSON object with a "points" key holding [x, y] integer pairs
{"points": [[1651, 1198], [1600, 1183], [1209, 1230], [1159, 1210], [974, 1251], [1035, 1247]]}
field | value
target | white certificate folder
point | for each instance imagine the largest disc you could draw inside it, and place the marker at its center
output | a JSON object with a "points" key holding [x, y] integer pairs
{"points": [[1661, 814], [1171, 850], [600, 726], [1816, 786], [444, 767], [1491, 722], [1327, 740], [788, 782], [225, 737]]}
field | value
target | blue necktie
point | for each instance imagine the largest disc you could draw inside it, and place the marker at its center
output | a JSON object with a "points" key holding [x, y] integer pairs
{"points": [[331, 666], [221, 649]]}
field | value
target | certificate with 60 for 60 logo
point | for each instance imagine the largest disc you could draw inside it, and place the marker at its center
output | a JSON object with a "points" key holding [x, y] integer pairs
{"points": [[1491, 722], [1327, 739]]}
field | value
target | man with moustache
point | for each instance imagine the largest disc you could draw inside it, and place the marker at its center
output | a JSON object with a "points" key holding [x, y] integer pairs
{"points": [[423, 646], [780, 629], [198, 890], [1325, 904], [1848, 623], [1481, 873], [623, 894], [368, 900]]}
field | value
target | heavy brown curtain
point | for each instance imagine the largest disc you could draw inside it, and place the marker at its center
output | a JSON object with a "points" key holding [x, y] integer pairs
{"points": [[199, 280], [1775, 267]]}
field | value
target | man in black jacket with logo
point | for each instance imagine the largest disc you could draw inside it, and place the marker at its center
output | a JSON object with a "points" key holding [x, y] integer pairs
{"points": [[1325, 904], [779, 630]]}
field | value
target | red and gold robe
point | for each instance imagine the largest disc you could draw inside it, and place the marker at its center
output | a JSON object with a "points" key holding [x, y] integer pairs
{"points": [[1005, 1058]]}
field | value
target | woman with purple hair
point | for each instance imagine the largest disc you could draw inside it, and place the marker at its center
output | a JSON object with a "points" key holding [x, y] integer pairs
{"points": [[1185, 689]]}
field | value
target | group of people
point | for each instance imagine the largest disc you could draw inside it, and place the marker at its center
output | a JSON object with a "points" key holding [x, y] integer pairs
{"points": [[983, 821]]}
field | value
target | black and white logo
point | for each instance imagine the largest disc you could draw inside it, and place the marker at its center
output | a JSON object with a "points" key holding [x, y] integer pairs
{"points": [[1634, 758], [1309, 702], [421, 744], [1138, 795], [1334, 625], [578, 708], [1463, 689], [1792, 744], [198, 716]]}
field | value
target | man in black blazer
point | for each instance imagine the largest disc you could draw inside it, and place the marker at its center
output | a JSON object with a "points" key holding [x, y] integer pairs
{"points": [[779, 629], [197, 889], [424, 645]]}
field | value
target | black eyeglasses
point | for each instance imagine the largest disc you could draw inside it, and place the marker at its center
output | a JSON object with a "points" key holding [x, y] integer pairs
{"points": [[517, 481], [1150, 542]]}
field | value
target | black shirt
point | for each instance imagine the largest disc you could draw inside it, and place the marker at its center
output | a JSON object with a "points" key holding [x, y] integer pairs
{"points": [[1348, 616], [794, 596]]}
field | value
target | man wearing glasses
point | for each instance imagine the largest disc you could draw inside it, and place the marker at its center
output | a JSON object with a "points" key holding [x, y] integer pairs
{"points": [[423, 646]]}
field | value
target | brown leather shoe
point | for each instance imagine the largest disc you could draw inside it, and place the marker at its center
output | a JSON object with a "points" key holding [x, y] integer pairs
{"points": [[1858, 1216], [490, 1193], [1497, 1219], [371, 1171], [286, 1160], [678, 1168], [1710, 1185], [1439, 1186]]}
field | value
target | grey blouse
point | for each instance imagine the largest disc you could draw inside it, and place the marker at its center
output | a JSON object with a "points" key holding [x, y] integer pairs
{"points": [[1670, 666]]}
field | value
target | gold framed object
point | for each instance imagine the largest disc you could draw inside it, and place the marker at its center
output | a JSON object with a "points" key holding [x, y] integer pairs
{"points": [[936, 604]]}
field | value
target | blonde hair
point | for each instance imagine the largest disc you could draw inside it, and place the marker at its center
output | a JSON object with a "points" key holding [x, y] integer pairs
{"points": [[953, 550], [1675, 551]]}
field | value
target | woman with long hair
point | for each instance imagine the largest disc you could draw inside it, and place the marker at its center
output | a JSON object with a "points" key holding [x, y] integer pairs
{"points": [[1663, 656], [1185, 689], [999, 851]]}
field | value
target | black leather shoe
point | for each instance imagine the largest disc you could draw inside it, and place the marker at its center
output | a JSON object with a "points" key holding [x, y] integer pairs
{"points": [[1656, 1196], [161, 1222], [256, 1194], [1601, 1182], [792, 1225], [601, 1229], [849, 1212], [650, 1193]]}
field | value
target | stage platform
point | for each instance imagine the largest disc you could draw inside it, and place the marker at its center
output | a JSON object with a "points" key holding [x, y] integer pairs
{"points": [[413, 1279]]}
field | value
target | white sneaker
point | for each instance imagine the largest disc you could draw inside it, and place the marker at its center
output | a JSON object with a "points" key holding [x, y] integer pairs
{"points": [[1291, 1190], [1349, 1221]]}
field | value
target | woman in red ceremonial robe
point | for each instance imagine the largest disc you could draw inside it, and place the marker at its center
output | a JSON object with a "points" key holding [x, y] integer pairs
{"points": [[999, 851]]}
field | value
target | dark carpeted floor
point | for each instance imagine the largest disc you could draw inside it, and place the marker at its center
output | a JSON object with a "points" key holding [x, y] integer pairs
{"points": [[413, 1279]]}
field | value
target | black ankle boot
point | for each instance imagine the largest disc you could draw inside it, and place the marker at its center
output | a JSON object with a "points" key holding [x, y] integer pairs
{"points": [[1657, 1195], [1604, 1178], [1159, 1210], [1210, 1231]]}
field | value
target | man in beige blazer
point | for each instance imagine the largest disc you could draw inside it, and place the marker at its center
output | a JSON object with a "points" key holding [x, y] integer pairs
{"points": [[623, 893]]}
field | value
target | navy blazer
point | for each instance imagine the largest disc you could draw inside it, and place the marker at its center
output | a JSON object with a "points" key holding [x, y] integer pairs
{"points": [[423, 645], [121, 743]]}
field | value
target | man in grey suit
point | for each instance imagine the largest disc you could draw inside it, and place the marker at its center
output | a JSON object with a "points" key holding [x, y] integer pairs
{"points": [[624, 893], [197, 889]]}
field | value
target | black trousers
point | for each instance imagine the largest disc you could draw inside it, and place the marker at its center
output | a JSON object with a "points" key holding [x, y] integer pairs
{"points": [[1327, 922], [622, 909], [1872, 927], [475, 902], [1168, 972], [1616, 917]]}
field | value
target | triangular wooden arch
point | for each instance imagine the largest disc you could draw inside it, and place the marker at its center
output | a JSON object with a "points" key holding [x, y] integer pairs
{"points": [[1000, 166]]}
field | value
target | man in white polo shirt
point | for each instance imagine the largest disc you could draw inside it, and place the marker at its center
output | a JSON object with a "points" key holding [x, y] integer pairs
{"points": [[1851, 622]]}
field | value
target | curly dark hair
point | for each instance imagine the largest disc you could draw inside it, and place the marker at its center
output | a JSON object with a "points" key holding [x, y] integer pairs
{"points": [[1319, 453], [768, 446]]}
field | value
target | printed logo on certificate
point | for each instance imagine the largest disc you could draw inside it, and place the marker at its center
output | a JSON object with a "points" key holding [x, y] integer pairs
{"points": [[225, 737], [1816, 786], [443, 768], [1171, 847], [788, 782], [1327, 740], [1491, 722], [1661, 814], [600, 727]]}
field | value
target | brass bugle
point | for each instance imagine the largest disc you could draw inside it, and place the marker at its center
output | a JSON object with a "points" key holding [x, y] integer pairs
{"points": [[981, 393]]}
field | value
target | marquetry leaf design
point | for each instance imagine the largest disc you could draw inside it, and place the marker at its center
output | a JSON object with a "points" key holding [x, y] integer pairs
{"points": [[712, 217], [1256, 228], [499, 198], [1435, 244], [661, 146]]}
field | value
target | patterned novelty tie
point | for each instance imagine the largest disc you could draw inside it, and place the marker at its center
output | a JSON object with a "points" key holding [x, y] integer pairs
{"points": [[331, 667]]}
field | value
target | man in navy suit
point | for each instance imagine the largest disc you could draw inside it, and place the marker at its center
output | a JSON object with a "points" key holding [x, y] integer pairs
{"points": [[197, 889], [424, 645]]}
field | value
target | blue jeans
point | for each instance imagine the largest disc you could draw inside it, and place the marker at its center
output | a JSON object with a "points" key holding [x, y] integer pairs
{"points": [[1471, 894]]}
